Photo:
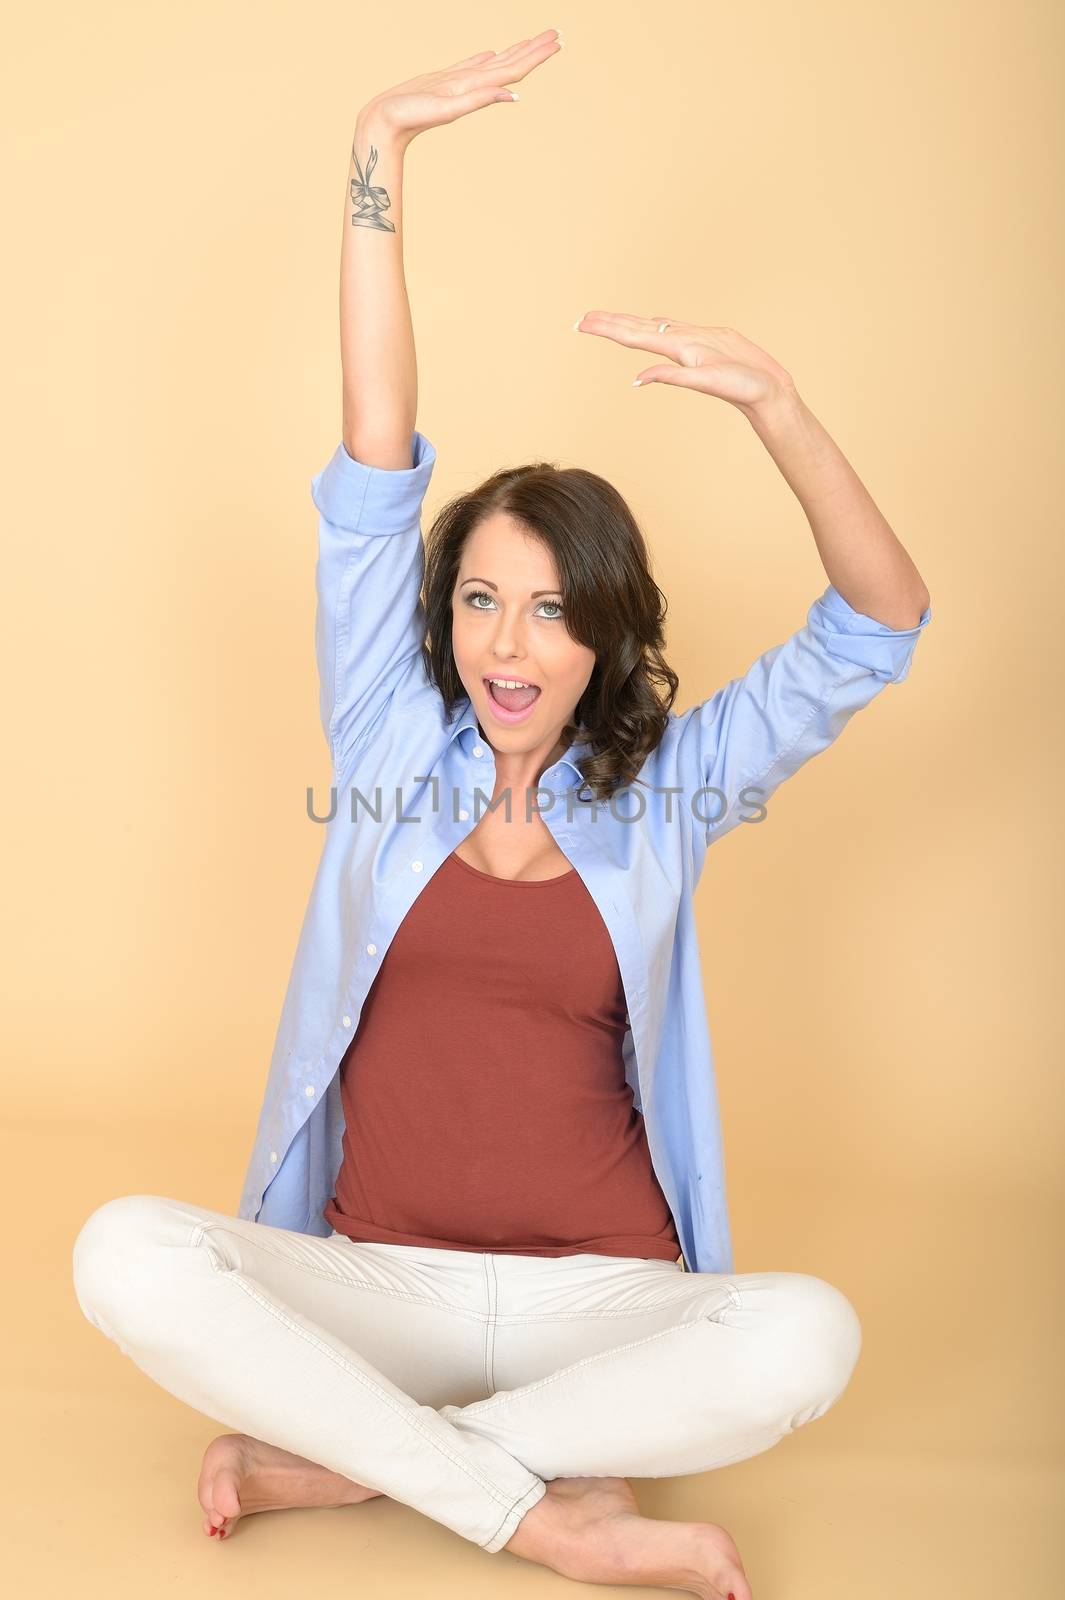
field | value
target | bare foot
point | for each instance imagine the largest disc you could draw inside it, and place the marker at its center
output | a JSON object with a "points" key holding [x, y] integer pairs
{"points": [[591, 1529], [241, 1474]]}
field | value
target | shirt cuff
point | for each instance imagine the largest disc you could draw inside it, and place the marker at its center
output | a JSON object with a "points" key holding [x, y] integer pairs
{"points": [[852, 636], [364, 499]]}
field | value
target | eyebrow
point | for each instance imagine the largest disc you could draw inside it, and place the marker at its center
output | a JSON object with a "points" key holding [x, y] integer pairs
{"points": [[491, 585]]}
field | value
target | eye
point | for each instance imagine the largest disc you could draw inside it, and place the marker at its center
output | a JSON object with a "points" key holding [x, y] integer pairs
{"points": [[473, 595]]}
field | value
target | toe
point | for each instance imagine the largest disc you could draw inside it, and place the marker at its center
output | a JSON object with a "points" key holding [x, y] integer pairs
{"points": [[225, 1494]]}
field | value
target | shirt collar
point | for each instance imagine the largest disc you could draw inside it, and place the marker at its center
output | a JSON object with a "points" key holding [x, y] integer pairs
{"points": [[466, 730]]}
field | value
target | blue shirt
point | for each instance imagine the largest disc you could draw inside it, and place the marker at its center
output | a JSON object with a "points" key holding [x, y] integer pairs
{"points": [[419, 785]]}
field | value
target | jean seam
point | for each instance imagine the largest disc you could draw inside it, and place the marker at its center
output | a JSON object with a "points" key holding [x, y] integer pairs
{"points": [[516, 1504], [491, 1315], [480, 1406], [339, 1277], [362, 1378]]}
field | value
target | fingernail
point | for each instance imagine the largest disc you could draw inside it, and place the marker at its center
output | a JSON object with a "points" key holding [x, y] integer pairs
{"points": [[577, 324], [636, 382]]}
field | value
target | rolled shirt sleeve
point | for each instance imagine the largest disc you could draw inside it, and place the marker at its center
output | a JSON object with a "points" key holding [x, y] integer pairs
{"points": [[851, 636]]}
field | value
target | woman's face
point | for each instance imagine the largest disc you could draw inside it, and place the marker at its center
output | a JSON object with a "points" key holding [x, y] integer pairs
{"points": [[507, 622]]}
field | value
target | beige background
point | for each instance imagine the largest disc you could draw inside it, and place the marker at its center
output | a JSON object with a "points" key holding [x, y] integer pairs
{"points": [[868, 193]]}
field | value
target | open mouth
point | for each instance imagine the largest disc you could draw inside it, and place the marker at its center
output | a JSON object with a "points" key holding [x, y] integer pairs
{"points": [[512, 702]]}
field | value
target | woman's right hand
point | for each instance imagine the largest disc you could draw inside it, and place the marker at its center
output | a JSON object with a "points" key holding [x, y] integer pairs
{"points": [[444, 96]]}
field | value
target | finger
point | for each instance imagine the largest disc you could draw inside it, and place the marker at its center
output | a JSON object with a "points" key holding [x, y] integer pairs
{"points": [[636, 332], [614, 323], [619, 319], [679, 377], [513, 67], [471, 61], [486, 95], [549, 35], [512, 50], [483, 57]]}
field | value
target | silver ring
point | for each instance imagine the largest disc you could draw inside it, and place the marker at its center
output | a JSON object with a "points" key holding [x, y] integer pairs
{"points": [[662, 326]]}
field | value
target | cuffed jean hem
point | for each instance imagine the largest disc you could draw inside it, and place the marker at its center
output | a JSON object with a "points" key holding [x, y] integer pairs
{"points": [[505, 1532]]}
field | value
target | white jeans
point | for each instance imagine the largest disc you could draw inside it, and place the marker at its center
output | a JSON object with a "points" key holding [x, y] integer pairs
{"points": [[458, 1381]]}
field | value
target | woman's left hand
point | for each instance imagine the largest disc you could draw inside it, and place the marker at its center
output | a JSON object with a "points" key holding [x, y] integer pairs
{"points": [[716, 361]]}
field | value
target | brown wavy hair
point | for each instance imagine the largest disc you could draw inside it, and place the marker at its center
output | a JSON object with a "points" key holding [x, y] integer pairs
{"points": [[611, 603]]}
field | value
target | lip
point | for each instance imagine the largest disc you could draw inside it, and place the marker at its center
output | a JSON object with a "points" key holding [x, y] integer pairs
{"points": [[501, 714]]}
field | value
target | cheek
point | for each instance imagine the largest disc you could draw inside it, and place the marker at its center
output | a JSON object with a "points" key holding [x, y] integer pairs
{"points": [[574, 663]]}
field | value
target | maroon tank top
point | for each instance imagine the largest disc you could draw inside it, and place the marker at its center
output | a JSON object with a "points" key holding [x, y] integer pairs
{"points": [[484, 1092]]}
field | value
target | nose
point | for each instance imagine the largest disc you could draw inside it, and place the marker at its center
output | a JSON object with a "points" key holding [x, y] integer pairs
{"points": [[507, 644]]}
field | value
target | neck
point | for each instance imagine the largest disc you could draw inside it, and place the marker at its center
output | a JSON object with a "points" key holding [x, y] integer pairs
{"points": [[519, 770]]}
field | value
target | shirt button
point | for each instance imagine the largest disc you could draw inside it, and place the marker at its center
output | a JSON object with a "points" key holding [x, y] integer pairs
{"points": [[347, 1022], [309, 1089], [477, 751], [273, 1155], [464, 816], [371, 949], [415, 866]]}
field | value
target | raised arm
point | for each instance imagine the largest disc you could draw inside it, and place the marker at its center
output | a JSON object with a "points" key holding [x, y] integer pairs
{"points": [[859, 635], [369, 622], [369, 495], [377, 356]]}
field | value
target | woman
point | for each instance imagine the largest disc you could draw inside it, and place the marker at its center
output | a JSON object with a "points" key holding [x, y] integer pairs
{"points": [[490, 1128]]}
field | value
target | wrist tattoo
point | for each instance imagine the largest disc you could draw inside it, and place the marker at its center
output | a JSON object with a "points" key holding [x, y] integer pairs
{"points": [[369, 199]]}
